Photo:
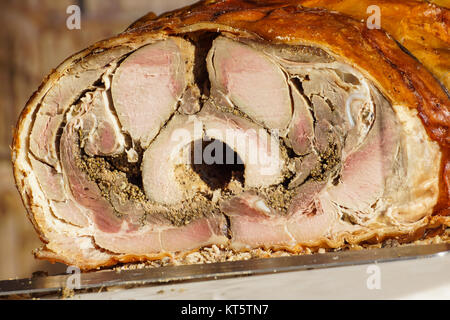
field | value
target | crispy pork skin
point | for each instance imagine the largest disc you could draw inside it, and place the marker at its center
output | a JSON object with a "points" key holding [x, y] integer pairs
{"points": [[239, 124]]}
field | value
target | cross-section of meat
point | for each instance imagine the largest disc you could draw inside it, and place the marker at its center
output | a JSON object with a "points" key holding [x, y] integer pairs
{"points": [[237, 124]]}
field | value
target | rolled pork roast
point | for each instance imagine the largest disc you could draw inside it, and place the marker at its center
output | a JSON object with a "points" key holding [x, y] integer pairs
{"points": [[280, 125]]}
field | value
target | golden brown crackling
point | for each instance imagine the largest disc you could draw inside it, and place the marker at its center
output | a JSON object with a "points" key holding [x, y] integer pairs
{"points": [[443, 205], [442, 3], [419, 26]]}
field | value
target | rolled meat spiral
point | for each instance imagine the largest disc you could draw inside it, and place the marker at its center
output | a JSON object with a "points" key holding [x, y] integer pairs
{"points": [[242, 124]]}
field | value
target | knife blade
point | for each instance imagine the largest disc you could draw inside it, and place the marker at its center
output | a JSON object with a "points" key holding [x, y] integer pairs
{"points": [[219, 270]]}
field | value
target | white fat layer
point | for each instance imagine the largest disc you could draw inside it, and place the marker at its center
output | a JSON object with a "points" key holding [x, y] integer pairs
{"points": [[420, 190], [262, 205], [107, 100], [132, 155]]}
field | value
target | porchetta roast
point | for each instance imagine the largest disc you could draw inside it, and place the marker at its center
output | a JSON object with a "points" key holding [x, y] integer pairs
{"points": [[281, 125]]}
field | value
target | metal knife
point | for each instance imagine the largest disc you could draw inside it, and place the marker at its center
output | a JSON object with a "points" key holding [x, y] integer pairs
{"points": [[201, 272]]}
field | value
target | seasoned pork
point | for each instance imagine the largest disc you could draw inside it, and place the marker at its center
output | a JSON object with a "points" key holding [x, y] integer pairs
{"points": [[234, 124]]}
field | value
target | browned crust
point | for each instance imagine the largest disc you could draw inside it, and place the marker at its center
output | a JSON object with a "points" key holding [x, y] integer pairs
{"points": [[419, 26], [399, 76]]}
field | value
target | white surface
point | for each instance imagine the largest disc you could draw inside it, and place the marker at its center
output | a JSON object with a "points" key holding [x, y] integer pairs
{"points": [[426, 278]]}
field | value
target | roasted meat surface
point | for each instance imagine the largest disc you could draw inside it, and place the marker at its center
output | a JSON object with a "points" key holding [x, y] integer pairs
{"points": [[281, 125]]}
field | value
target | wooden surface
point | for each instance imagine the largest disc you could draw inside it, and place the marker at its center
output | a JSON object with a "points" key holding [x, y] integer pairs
{"points": [[425, 278]]}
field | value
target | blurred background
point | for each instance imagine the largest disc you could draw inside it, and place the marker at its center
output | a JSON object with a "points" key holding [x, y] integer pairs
{"points": [[35, 39]]}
